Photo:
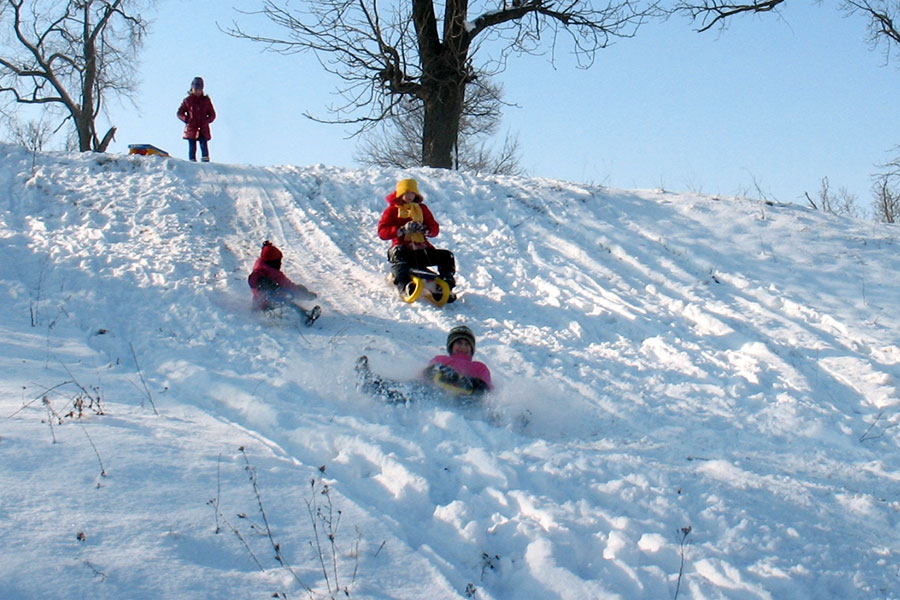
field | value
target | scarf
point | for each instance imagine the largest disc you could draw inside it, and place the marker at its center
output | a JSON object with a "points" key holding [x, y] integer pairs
{"points": [[412, 211]]}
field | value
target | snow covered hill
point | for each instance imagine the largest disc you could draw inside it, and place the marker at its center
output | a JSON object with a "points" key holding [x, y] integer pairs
{"points": [[697, 397]]}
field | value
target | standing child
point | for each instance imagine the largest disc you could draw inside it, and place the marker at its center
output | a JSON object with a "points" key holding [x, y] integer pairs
{"points": [[407, 222], [197, 112]]}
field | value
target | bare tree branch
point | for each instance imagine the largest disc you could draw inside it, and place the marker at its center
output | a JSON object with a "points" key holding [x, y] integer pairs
{"points": [[384, 55], [714, 12], [882, 16], [74, 54]]}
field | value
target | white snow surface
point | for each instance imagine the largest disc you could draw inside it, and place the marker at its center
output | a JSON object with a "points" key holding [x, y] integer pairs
{"points": [[697, 397]]}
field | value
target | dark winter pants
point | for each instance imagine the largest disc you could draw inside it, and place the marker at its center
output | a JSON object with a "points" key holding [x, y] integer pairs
{"points": [[403, 259], [204, 149], [388, 390]]}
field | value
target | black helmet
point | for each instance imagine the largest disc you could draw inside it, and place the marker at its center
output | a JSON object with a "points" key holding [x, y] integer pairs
{"points": [[460, 332]]}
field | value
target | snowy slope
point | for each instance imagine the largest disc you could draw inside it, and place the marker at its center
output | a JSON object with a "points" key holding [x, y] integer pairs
{"points": [[697, 397]]}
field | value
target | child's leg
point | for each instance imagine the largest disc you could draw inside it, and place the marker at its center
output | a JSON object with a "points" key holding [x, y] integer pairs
{"points": [[445, 263], [399, 257], [204, 148], [192, 150], [280, 296], [368, 382]]}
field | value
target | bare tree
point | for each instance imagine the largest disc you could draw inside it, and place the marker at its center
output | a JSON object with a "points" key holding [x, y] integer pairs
{"points": [[887, 193], [407, 50], [881, 14], [397, 140], [396, 144], [71, 55], [503, 161], [841, 203], [32, 135]]}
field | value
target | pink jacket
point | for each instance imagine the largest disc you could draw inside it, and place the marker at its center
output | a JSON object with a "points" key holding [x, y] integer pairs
{"points": [[465, 366], [197, 112], [262, 270]]}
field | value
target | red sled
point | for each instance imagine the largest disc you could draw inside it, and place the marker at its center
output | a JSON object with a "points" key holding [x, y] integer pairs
{"points": [[146, 149]]}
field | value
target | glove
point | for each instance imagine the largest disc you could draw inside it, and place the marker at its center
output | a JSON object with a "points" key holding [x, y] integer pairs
{"points": [[411, 227]]}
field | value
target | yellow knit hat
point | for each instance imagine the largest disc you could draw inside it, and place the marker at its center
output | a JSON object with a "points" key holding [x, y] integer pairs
{"points": [[407, 185]]}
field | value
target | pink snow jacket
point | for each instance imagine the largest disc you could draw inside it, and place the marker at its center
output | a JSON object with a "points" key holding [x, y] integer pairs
{"points": [[399, 213], [264, 297], [459, 374], [197, 112]]}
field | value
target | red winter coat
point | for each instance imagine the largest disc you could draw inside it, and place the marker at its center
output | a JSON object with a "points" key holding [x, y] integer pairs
{"points": [[399, 213], [197, 112], [262, 300]]}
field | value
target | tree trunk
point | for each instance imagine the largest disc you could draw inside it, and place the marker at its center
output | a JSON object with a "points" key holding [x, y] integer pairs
{"points": [[84, 128], [443, 80], [443, 109], [102, 145]]}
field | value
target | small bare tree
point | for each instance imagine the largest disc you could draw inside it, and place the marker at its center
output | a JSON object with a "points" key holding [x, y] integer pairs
{"points": [[887, 195], [841, 203], [396, 142], [385, 53], [504, 160], [32, 135], [70, 55]]}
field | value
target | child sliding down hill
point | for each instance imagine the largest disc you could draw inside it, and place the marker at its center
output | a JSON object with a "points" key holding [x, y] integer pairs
{"points": [[272, 289], [407, 222], [455, 374]]}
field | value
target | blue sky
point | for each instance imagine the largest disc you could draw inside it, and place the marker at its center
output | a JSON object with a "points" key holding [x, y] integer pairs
{"points": [[776, 101]]}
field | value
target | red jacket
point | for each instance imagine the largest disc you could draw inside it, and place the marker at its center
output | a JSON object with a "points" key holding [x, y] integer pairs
{"points": [[399, 213], [197, 112], [261, 297]]}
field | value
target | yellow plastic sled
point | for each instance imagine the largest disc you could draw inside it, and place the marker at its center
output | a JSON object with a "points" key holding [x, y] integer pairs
{"points": [[429, 285]]}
